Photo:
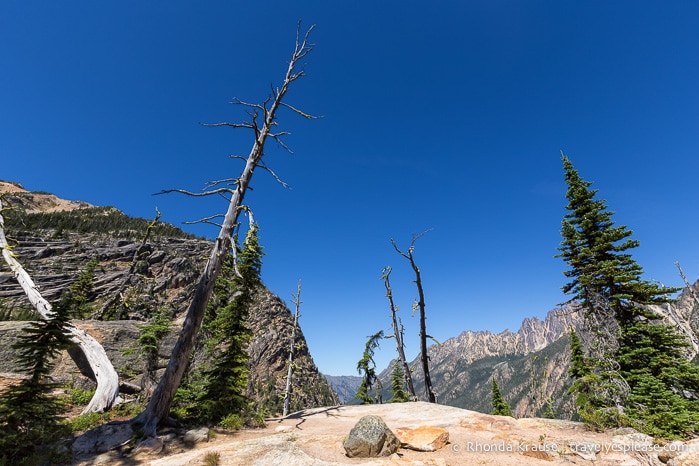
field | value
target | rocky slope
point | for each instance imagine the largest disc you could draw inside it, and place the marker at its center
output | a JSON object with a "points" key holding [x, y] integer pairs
{"points": [[55, 239]]}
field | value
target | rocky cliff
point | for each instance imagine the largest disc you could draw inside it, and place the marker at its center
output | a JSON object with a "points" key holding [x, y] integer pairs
{"points": [[56, 239]]}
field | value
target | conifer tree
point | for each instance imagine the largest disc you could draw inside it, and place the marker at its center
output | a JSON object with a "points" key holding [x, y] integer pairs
{"points": [[29, 414], [500, 406], [635, 360], [584, 380], [367, 369], [400, 395], [225, 382]]}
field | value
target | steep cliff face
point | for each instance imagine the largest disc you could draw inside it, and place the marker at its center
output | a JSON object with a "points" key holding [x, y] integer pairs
{"points": [[55, 240]]}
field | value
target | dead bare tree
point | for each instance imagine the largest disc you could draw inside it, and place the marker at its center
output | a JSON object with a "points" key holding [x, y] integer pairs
{"points": [[159, 405], [398, 330], [420, 305], [103, 371], [118, 295], [289, 373]]}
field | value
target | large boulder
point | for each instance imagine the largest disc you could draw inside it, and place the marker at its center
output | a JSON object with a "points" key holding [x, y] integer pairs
{"points": [[370, 437]]}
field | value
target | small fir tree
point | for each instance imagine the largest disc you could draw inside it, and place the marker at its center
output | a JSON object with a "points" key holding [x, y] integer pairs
{"points": [[29, 414], [634, 358], [400, 395], [500, 406]]}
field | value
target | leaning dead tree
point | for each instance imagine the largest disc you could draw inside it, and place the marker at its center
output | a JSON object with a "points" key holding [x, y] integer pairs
{"points": [[159, 405], [398, 330], [289, 373], [420, 305], [105, 376]]}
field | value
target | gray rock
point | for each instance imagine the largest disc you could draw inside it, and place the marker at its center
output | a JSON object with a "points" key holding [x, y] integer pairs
{"points": [[194, 436], [370, 437], [102, 439], [150, 446]]}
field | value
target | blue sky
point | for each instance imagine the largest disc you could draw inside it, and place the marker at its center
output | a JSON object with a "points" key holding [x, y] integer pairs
{"points": [[448, 117]]}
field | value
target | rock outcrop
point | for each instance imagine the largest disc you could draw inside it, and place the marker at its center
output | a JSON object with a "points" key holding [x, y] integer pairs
{"points": [[56, 239], [315, 438]]}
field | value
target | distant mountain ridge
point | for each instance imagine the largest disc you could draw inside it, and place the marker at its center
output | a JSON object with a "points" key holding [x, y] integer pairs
{"points": [[530, 365]]}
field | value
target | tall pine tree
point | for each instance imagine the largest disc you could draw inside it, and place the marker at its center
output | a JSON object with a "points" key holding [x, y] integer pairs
{"points": [[635, 361]]}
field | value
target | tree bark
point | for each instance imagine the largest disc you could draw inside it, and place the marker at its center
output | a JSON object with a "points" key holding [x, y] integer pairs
{"points": [[159, 405], [289, 373], [424, 358], [398, 332], [106, 377]]}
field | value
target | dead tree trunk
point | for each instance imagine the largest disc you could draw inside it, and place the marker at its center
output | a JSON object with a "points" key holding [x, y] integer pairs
{"points": [[134, 260], [159, 405], [289, 373], [429, 394], [106, 377], [398, 332]]}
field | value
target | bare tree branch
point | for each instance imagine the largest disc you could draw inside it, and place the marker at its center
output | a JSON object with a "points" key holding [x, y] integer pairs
{"points": [[302, 113], [420, 305], [159, 405], [398, 330], [202, 194]]}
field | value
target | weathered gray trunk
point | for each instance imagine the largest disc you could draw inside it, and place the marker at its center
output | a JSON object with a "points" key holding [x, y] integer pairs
{"points": [[424, 358], [290, 372], [105, 376], [398, 333], [159, 405]]}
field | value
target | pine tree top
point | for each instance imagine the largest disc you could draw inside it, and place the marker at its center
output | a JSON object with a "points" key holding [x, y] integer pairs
{"points": [[597, 251]]}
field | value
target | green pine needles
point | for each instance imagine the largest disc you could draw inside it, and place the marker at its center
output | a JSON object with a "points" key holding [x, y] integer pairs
{"points": [[218, 390], [367, 369], [400, 394], [29, 413], [628, 365], [500, 406]]}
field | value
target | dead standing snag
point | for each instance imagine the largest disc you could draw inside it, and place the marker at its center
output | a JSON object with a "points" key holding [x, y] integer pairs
{"points": [[159, 405]]}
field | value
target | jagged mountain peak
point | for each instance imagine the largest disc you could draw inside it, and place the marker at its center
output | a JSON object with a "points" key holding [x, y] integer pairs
{"points": [[533, 335]]}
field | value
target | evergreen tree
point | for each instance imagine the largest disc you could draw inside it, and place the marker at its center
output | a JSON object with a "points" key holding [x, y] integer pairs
{"points": [[400, 395], [634, 359], [367, 368], [584, 382], [29, 414], [225, 382], [500, 406], [78, 297]]}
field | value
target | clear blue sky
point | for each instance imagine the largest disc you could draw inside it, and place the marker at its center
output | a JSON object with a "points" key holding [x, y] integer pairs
{"points": [[449, 116]]}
